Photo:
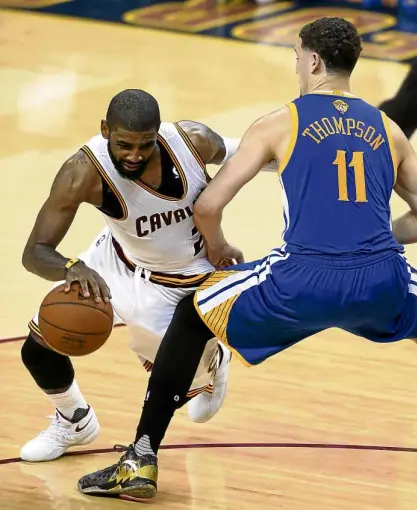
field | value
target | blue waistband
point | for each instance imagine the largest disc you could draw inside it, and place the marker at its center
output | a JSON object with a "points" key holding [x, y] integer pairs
{"points": [[350, 261]]}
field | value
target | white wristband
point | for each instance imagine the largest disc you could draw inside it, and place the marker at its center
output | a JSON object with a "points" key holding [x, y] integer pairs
{"points": [[231, 145]]}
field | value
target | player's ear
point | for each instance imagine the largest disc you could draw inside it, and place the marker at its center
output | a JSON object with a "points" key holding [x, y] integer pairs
{"points": [[105, 129], [315, 62]]}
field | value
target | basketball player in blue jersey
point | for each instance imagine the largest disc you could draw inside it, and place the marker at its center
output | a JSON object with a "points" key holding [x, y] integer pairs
{"points": [[341, 265]]}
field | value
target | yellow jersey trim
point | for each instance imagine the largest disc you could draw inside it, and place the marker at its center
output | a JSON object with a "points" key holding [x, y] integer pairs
{"points": [[293, 138], [341, 93], [391, 144]]}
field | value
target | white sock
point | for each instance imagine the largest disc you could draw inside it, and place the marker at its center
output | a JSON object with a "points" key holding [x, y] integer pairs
{"points": [[68, 402], [143, 446]]}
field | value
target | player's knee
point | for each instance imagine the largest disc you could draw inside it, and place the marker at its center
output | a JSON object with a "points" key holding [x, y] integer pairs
{"points": [[50, 369], [168, 387], [192, 325], [31, 350]]}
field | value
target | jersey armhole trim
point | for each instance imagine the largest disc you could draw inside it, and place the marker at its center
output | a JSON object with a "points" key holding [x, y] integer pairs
{"points": [[190, 145], [293, 138], [391, 144], [104, 175], [193, 150], [179, 168]]}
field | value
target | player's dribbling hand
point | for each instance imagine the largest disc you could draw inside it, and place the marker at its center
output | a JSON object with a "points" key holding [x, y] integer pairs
{"points": [[224, 256], [88, 278]]}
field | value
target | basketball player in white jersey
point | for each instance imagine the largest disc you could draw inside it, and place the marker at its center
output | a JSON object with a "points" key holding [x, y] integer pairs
{"points": [[144, 176]]}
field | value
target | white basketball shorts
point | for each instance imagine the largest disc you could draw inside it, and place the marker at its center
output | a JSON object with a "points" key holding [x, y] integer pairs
{"points": [[145, 301]]}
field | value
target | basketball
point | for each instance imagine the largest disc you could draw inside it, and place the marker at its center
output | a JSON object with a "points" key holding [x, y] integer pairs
{"points": [[72, 324]]}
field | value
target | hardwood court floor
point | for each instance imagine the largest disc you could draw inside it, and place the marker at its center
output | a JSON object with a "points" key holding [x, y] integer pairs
{"points": [[56, 78]]}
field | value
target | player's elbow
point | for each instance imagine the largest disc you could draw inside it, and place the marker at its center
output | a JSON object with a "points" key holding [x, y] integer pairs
{"points": [[27, 258], [205, 208]]}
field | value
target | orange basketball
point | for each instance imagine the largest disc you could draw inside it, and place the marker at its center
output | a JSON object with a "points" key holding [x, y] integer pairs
{"points": [[72, 324]]}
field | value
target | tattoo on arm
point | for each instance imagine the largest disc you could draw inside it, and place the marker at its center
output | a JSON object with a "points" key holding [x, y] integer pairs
{"points": [[209, 145], [79, 159], [216, 142], [69, 189]]}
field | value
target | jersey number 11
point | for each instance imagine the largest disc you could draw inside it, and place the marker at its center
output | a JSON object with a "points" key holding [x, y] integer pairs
{"points": [[359, 171]]}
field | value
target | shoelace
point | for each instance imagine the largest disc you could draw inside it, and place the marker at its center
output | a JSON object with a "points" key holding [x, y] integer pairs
{"points": [[56, 429], [120, 448]]}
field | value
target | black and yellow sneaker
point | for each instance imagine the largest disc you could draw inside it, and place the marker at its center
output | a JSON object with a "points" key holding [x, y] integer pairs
{"points": [[133, 477]]}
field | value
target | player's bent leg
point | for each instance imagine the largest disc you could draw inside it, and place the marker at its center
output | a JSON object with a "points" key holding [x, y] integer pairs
{"points": [[75, 422], [246, 310], [180, 351], [156, 306], [175, 366], [208, 390]]}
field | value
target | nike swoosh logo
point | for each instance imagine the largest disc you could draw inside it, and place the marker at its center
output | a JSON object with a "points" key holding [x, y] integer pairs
{"points": [[79, 429]]}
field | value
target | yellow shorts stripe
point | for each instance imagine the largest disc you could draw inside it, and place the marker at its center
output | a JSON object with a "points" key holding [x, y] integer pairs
{"points": [[215, 278], [219, 329], [217, 318], [225, 316]]}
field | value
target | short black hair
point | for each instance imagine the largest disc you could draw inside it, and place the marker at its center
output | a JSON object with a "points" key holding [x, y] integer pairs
{"points": [[337, 42], [134, 110]]}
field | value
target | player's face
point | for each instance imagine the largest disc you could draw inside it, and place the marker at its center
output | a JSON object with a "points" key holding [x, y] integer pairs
{"points": [[130, 151]]}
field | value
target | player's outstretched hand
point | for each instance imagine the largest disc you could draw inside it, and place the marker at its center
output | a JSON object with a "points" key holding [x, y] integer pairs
{"points": [[224, 256], [88, 278]]}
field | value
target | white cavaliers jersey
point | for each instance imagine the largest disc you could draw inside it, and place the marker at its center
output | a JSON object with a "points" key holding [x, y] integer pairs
{"points": [[157, 232]]}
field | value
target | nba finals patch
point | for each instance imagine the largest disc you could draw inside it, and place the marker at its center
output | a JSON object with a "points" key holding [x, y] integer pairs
{"points": [[340, 106]]}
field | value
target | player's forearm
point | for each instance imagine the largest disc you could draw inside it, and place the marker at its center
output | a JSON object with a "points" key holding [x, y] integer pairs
{"points": [[209, 227], [45, 261], [404, 228]]}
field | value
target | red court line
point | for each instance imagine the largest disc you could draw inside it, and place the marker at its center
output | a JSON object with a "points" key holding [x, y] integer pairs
{"points": [[19, 338], [322, 446], [196, 446], [11, 339]]}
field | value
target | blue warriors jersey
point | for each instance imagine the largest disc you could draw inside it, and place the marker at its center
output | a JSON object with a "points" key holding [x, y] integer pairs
{"points": [[338, 177]]}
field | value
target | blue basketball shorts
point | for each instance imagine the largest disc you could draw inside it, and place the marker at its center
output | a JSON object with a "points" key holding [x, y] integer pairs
{"points": [[263, 307]]}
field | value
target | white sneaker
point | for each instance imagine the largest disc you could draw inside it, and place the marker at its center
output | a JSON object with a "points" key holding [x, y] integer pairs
{"points": [[205, 405], [59, 436]]}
